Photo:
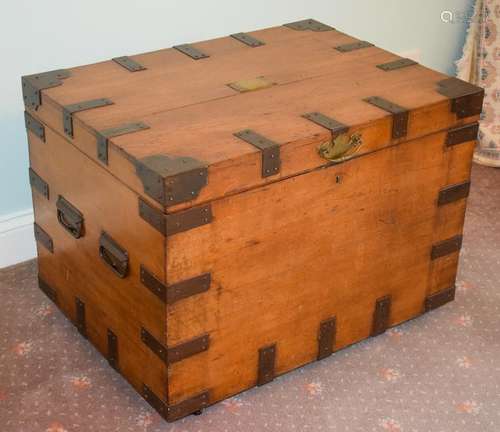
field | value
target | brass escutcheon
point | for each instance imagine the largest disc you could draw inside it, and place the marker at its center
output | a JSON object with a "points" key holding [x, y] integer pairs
{"points": [[341, 147]]}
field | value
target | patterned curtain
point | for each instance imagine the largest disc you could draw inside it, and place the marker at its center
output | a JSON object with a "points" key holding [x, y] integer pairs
{"points": [[480, 65]]}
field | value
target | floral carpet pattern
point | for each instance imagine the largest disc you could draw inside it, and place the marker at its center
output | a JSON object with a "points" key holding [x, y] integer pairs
{"points": [[440, 372]]}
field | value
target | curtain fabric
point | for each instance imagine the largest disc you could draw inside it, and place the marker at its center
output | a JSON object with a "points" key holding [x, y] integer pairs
{"points": [[480, 65]]}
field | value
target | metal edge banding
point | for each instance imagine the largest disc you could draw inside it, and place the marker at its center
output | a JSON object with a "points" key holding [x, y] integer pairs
{"points": [[112, 356], [188, 288], [129, 63], [266, 366], [439, 298], [38, 183], [308, 24], [191, 51], [188, 219], [69, 110], [150, 341], [152, 216], [43, 238], [400, 115], [326, 338], [446, 247], [104, 135], [329, 123], [466, 98], [33, 84], [453, 193], [353, 46], [270, 150], [49, 291], [80, 317], [381, 315], [247, 39], [34, 125], [462, 134], [150, 281], [397, 64]]}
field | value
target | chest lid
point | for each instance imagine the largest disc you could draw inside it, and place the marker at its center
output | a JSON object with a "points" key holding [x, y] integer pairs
{"points": [[190, 124]]}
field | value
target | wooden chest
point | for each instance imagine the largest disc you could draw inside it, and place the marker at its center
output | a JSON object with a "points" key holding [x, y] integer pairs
{"points": [[216, 214]]}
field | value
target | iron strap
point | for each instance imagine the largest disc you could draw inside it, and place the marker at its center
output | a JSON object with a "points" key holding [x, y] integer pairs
{"points": [[49, 291], [112, 349], [353, 46], [440, 298], [397, 64], [129, 64], [43, 238], [38, 183], [453, 193], [309, 24], [381, 315], [462, 134], [326, 338], [34, 126], [329, 123], [271, 161], [466, 98], [191, 51], [34, 84], [69, 110], [267, 360], [80, 322], [247, 39], [400, 115], [446, 247], [104, 135]]}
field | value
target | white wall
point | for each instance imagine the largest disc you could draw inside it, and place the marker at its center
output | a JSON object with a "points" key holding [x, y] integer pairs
{"points": [[36, 36]]}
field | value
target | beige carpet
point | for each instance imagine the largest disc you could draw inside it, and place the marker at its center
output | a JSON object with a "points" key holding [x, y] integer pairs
{"points": [[438, 373]]}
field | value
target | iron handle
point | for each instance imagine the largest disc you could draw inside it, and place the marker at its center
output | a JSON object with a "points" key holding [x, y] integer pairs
{"points": [[113, 255], [70, 217]]}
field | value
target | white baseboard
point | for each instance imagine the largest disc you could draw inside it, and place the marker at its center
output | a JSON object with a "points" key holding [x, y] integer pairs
{"points": [[17, 241]]}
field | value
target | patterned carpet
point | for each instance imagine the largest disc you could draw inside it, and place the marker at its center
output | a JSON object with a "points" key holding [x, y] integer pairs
{"points": [[440, 372]]}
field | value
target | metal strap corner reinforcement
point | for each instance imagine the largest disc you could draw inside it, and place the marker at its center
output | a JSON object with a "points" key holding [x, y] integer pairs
{"points": [[462, 134], [80, 322], [400, 115], [353, 46], [104, 135], [446, 247], [453, 193], [129, 64], [38, 183], [191, 51], [247, 40], [439, 298], [70, 217], [267, 360], [34, 125], [112, 355], [397, 64], [326, 338], [466, 98], [329, 123], [309, 24], [43, 238], [34, 84], [49, 291], [172, 180], [270, 150], [381, 315], [69, 110]]}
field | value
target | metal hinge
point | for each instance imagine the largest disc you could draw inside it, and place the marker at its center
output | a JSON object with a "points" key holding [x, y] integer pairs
{"points": [[38, 183], [112, 354], [50, 292], [175, 292], [170, 224], [80, 321], [462, 134], [69, 110], [34, 84], [446, 247], [171, 180], [398, 64], [381, 315], [266, 367], [177, 352], [439, 298], [43, 238], [326, 338], [466, 98], [104, 135], [176, 411], [129, 64], [453, 193], [247, 40], [353, 46], [309, 24], [271, 161], [400, 115], [34, 126], [191, 51]]}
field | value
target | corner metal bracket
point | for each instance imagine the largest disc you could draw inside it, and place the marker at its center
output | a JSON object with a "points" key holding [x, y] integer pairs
{"points": [[112, 354], [462, 134], [104, 135], [43, 238], [69, 110], [247, 39], [176, 411], [466, 99], [398, 64], [170, 224], [171, 180], [326, 338], [266, 368], [34, 126], [308, 24], [439, 298], [446, 247], [335, 127], [34, 84], [129, 64], [191, 51], [353, 46], [177, 352], [50, 292], [271, 161], [38, 183], [381, 315], [80, 322], [175, 292], [453, 193], [400, 115]]}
